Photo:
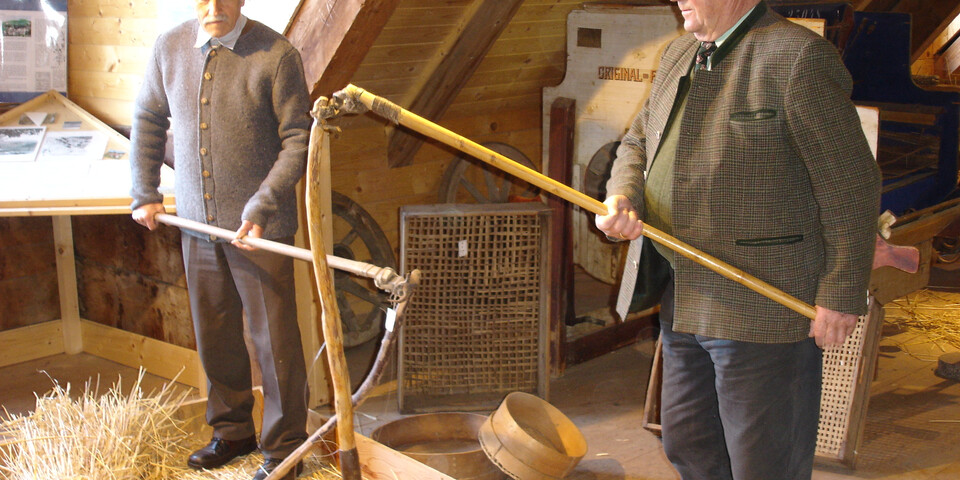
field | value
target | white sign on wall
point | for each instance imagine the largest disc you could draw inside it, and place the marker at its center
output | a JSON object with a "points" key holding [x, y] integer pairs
{"points": [[33, 48]]}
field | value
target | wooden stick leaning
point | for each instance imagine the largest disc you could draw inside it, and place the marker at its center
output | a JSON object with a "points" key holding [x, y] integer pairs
{"points": [[398, 115], [332, 332], [330, 320]]}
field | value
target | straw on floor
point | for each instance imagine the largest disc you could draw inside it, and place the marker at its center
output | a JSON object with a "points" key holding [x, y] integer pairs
{"points": [[114, 436]]}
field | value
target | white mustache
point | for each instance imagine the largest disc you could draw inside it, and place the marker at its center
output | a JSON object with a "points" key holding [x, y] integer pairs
{"points": [[215, 18]]}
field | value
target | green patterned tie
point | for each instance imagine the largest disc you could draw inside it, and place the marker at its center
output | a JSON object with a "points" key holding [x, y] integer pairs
{"points": [[706, 49]]}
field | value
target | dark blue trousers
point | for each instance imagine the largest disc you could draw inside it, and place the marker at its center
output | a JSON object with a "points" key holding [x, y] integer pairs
{"points": [[738, 410]]}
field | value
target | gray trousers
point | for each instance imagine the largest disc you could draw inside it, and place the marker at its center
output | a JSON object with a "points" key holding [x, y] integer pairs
{"points": [[738, 410], [223, 282]]}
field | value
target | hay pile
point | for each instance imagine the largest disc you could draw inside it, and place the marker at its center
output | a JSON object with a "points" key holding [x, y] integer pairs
{"points": [[934, 314], [112, 437]]}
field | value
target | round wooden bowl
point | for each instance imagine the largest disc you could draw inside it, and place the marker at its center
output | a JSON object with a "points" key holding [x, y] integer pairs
{"points": [[530, 439], [447, 442]]}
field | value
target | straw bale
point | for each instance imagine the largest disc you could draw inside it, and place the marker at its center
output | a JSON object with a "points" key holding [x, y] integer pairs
{"points": [[114, 436]]}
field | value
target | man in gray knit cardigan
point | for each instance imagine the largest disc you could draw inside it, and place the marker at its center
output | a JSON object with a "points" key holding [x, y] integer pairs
{"points": [[235, 94]]}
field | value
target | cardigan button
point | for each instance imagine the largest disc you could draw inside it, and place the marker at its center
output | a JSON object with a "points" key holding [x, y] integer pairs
{"points": [[203, 150], [204, 101], [208, 75], [203, 125], [209, 218], [206, 173]]}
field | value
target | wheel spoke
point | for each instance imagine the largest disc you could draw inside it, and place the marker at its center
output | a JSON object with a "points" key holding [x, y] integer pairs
{"points": [[362, 293], [492, 188], [347, 316], [349, 238], [473, 190]]}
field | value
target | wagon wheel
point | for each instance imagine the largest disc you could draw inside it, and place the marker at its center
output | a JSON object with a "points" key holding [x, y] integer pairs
{"points": [[468, 180], [356, 236]]}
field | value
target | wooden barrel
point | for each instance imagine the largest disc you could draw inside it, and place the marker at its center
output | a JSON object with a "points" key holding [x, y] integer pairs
{"points": [[446, 442], [530, 439]]}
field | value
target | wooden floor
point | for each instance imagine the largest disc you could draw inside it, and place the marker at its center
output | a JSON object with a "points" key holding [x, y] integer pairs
{"points": [[912, 430]]}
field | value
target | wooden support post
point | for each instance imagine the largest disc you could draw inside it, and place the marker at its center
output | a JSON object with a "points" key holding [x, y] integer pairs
{"points": [[67, 284], [563, 114]]}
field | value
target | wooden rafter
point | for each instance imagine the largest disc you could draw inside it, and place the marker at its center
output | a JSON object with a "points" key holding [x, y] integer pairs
{"points": [[452, 67], [929, 19], [334, 36], [949, 61]]}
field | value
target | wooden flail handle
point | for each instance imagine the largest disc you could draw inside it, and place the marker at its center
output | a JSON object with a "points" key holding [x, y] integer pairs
{"points": [[330, 323], [398, 115]]}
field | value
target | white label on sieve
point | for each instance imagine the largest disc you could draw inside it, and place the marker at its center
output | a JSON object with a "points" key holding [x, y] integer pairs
{"points": [[462, 248], [390, 320]]}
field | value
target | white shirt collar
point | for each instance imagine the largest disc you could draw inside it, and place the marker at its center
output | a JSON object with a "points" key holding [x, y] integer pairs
{"points": [[229, 40]]}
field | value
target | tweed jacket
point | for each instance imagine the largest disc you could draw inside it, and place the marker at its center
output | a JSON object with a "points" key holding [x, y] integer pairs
{"points": [[241, 126], [773, 175]]}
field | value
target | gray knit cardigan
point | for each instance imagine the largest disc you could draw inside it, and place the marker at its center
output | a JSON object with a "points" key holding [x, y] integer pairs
{"points": [[240, 123]]}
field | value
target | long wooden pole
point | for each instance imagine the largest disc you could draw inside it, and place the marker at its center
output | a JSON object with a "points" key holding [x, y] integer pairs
{"points": [[362, 269], [332, 333], [398, 115]]}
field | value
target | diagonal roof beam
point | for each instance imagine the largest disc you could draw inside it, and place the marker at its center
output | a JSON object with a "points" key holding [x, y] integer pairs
{"points": [[451, 68], [334, 36], [928, 19]]}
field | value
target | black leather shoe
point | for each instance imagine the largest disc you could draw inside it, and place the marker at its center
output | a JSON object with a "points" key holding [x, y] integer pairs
{"points": [[270, 464], [219, 451]]}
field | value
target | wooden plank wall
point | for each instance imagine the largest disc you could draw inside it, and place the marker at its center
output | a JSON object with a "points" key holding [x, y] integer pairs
{"points": [[501, 102], [109, 45], [110, 42], [28, 274]]}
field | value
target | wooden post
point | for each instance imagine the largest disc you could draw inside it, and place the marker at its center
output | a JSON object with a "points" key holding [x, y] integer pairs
{"points": [[332, 333], [67, 284], [563, 114]]}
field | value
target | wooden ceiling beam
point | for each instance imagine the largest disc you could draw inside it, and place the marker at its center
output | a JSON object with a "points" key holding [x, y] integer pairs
{"points": [[449, 71], [950, 59], [928, 19], [334, 36]]}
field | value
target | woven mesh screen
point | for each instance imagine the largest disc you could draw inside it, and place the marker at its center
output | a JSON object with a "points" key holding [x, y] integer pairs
{"points": [[841, 370], [474, 330]]}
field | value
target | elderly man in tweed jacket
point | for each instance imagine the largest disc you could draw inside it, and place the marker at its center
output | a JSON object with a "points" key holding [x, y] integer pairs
{"points": [[238, 100], [750, 150]]}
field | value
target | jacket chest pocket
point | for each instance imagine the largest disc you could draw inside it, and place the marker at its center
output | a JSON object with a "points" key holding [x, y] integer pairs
{"points": [[756, 134]]}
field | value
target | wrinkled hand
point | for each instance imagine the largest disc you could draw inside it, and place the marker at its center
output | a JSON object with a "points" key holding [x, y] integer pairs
{"points": [[247, 229], [146, 214], [831, 328], [621, 220]]}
